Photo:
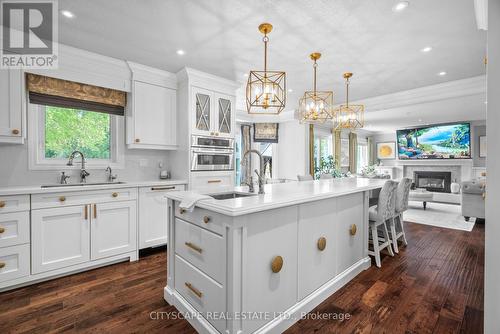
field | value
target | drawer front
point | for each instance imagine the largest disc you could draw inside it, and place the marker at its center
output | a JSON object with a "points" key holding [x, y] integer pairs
{"points": [[14, 203], [207, 219], [14, 262], [14, 228], [212, 181], [350, 247], [40, 201], [203, 249], [202, 292]]}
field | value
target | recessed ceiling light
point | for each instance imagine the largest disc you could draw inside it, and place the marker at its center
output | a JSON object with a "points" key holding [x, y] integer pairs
{"points": [[485, 102], [443, 73], [420, 120], [181, 52], [290, 90], [400, 6], [67, 13], [426, 49]]}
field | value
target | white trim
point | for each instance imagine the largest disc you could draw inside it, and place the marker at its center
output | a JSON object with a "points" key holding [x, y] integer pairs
{"points": [[481, 9], [36, 161]]}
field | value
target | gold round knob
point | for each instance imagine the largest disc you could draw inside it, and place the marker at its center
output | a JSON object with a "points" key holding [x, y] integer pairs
{"points": [[277, 264], [181, 211], [322, 243], [206, 219], [2, 204], [2, 229], [137, 140], [353, 229], [114, 194], [62, 199], [212, 133], [15, 132], [2, 264]]}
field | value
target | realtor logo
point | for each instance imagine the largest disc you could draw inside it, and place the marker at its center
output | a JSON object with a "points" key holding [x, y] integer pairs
{"points": [[29, 34]]}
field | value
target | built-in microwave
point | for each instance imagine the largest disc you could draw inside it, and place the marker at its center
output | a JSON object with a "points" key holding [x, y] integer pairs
{"points": [[203, 159], [212, 142]]}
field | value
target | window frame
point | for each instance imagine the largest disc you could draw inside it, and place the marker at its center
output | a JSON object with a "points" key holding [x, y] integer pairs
{"points": [[36, 145], [364, 143]]}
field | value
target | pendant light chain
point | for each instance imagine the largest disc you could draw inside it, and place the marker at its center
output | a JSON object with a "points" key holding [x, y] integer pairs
{"points": [[347, 93], [315, 66], [265, 39]]}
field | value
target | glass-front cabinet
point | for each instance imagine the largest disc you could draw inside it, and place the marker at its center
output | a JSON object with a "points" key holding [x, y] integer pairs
{"points": [[213, 113], [224, 115], [203, 105]]}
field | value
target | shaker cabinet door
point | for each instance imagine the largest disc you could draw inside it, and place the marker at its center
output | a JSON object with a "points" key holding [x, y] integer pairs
{"points": [[11, 106]]}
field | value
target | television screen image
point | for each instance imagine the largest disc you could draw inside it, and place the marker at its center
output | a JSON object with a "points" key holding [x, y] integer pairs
{"points": [[447, 141]]}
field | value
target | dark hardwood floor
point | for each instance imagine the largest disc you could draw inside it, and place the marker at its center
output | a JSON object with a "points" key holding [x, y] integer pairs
{"points": [[435, 285]]}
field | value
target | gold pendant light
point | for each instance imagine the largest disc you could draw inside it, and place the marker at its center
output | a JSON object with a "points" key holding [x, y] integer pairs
{"points": [[349, 116], [266, 90], [316, 106]]}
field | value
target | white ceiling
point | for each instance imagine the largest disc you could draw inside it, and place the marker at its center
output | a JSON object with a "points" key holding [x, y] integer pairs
{"points": [[381, 47]]}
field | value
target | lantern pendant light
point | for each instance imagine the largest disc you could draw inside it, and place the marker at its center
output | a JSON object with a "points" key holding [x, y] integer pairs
{"points": [[316, 106], [349, 116], [266, 90]]}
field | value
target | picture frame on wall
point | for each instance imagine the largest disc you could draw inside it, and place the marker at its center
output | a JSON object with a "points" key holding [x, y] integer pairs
{"points": [[386, 150], [344, 152], [482, 146], [265, 132]]}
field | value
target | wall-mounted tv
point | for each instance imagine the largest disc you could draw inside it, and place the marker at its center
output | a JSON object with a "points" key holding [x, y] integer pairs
{"points": [[442, 141]]}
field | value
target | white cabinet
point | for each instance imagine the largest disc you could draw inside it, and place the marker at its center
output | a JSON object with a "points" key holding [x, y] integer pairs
{"points": [[12, 121], [212, 182], [14, 262], [114, 229], [213, 113], [151, 111], [153, 215], [60, 237]]}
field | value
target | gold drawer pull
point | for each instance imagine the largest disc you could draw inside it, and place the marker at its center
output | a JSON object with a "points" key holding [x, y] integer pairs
{"points": [[193, 247], [86, 212], [194, 290], [2, 204], [322, 243], [95, 211], [2, 265], [62, 199], [277, 264], [15, 131], [214, 181], [114, 194], [137, 140], [163, 188], [181, 211], [2, 229], [353, 229], [206, 219]]}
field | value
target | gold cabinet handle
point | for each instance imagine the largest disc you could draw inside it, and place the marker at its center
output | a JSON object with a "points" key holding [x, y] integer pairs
{"points": [[212, 133], [15, 131], [2, 230], [114, 194], [62, 198], [321, 243], [214, 181], [353, 229], [206, 219], [86, 212], [2, 265], [193, 247], [162, 188], [137, 140], [194, 290], [277, 264], [2, 204], [95, 211], [181, 211]]}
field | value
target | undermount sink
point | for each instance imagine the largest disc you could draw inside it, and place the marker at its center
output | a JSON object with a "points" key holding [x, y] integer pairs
{"points": [[230, 195], [79, 184]]}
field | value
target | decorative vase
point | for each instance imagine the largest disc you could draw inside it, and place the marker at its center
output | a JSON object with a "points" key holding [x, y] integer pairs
{"points": [[455, 188]]}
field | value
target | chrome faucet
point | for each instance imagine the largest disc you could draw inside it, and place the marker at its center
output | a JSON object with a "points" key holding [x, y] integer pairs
{"points": [[83, 172], [64, 178], [261, 175], [111, 177]]}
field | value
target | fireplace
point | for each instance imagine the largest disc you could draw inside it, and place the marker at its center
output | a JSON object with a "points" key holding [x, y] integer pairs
{"points": [[433, 181]]}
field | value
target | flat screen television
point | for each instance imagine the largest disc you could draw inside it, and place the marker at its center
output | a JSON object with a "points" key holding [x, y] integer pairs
{"points": [[441, 141]]}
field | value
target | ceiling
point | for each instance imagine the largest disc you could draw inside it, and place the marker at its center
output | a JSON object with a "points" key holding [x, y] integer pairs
{"points": [[380, 46]]}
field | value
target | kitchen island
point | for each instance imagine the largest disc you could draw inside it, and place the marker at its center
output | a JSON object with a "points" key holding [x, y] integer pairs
{"points": [[256, 264]]}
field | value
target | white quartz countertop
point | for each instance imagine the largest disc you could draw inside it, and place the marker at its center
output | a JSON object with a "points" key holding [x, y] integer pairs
{"points": [[37, 189], [284, 194]]}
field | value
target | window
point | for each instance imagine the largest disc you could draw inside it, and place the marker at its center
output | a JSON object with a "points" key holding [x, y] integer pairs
{"points": [[266, 149], [55, 132], [322, 146], [362, 157]]}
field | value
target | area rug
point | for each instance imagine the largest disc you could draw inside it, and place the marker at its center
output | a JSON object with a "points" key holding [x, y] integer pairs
{"points": [[440, 215]]}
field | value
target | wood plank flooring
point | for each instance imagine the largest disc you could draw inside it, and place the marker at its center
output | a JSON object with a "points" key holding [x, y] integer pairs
{"points": [[435, 285]]}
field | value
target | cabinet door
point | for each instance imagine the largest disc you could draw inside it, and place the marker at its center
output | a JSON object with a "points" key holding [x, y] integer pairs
{"points": [[317, 244], [113, 229], [203, 118], [11, 111], [60, 237], [224, 115], [350, 210], [154, 115]]}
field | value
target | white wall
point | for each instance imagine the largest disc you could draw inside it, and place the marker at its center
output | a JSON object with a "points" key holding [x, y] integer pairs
{"points": [[492, 266], [293, 148]]}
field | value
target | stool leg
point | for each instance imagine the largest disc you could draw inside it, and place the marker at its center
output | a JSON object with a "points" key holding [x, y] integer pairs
{"points": [[388, 239], [425, 205], [405, 242], [394, 235], [376, 247]]}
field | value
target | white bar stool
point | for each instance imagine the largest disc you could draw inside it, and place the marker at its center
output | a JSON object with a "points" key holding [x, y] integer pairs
{"points": [[396, 224]]}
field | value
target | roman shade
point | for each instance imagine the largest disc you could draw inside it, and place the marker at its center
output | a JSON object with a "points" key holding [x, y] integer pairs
{"points": [[69, 94]]}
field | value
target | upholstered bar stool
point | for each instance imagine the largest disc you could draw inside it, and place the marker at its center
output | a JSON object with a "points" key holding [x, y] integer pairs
{"points": [[396, 224], [304, 177], [378, 216], [325, 177]]}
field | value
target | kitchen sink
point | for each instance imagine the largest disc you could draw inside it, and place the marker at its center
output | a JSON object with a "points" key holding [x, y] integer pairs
{"points": [[79, 184], [230, 195]]}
